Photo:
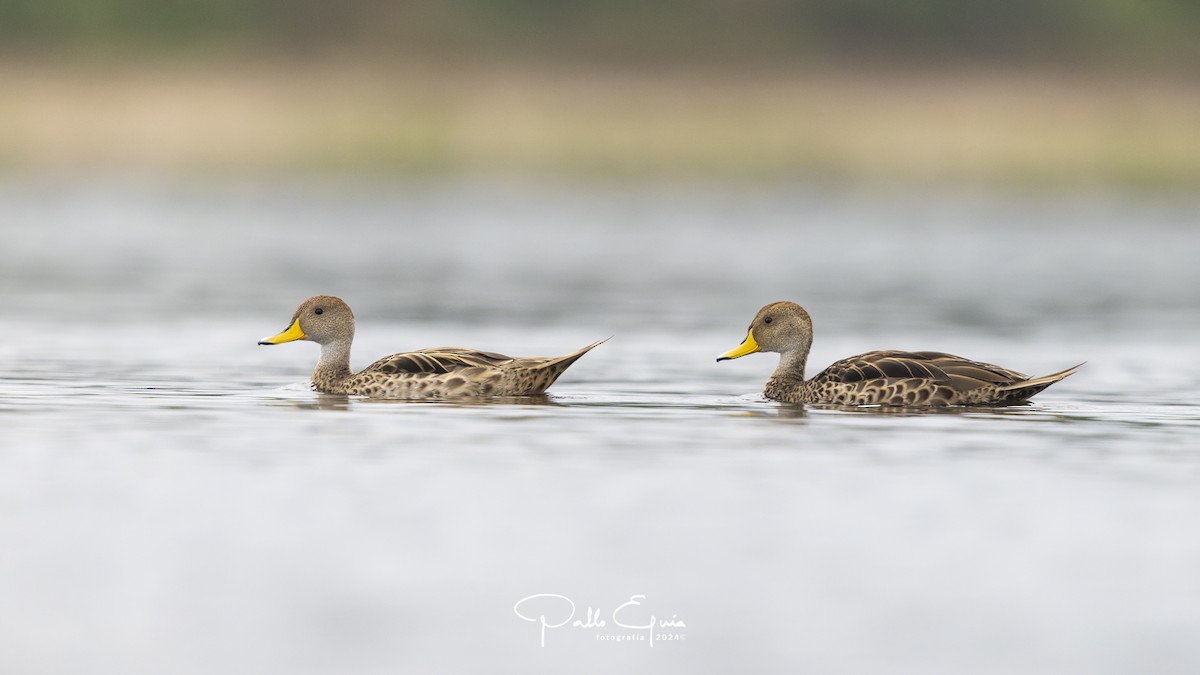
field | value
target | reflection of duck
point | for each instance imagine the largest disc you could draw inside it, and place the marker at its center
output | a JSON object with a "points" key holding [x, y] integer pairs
{"points": [[343, 402], [428, 373], [891, 378]]}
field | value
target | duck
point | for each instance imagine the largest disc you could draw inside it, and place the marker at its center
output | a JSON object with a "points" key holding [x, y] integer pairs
{"points": [[446, 372], [880, 378]]}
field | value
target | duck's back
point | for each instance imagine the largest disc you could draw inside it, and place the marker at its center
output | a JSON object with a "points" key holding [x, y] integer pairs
{"points": [[437, 361], [454, 372], [913, 378]]}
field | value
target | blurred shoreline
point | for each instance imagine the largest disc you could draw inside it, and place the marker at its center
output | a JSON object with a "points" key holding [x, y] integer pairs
{"points": [[1004, 126]]}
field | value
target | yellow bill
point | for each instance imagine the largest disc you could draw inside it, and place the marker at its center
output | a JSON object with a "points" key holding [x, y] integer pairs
{"points": [[292, 333], [748, 346]]}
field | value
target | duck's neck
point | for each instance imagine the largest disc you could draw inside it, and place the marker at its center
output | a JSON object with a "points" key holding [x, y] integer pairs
{"points": [[334, 364], [789, 374]]}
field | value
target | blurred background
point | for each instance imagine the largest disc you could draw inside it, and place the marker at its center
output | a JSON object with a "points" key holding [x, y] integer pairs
{"points": [[1034, 94]]}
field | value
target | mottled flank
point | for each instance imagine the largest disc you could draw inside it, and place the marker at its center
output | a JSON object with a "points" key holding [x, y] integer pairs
{"points": [[446, 372], [886, 378]]}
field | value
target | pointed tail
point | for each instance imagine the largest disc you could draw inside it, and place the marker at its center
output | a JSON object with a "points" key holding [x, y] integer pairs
{"points": [[546, 370], [1020, 391], [574, 356]]}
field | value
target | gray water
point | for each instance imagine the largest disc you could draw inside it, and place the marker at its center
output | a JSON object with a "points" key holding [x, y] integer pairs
{"points": [[173, 499]]}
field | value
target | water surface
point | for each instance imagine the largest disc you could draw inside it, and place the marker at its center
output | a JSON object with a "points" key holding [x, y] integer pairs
{"points": [[175, 499]]}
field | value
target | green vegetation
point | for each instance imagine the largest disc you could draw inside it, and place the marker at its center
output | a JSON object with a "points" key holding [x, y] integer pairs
{"points": [[1156, 33]]}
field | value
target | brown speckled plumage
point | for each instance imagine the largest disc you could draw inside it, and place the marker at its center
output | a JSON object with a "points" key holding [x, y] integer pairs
{"points": [[448, 372], [888, 378]]}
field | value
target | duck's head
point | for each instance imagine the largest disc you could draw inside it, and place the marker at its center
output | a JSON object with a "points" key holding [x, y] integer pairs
{"points": [[782, 327], [322, 319]]}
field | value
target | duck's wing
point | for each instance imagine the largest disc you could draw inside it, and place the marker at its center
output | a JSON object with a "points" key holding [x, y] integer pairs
{"points": [[437, 361], [948, 370]]}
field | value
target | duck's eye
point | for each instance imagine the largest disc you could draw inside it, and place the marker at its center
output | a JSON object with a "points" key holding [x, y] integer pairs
{"points": [[318, 311], [768, 320]]}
